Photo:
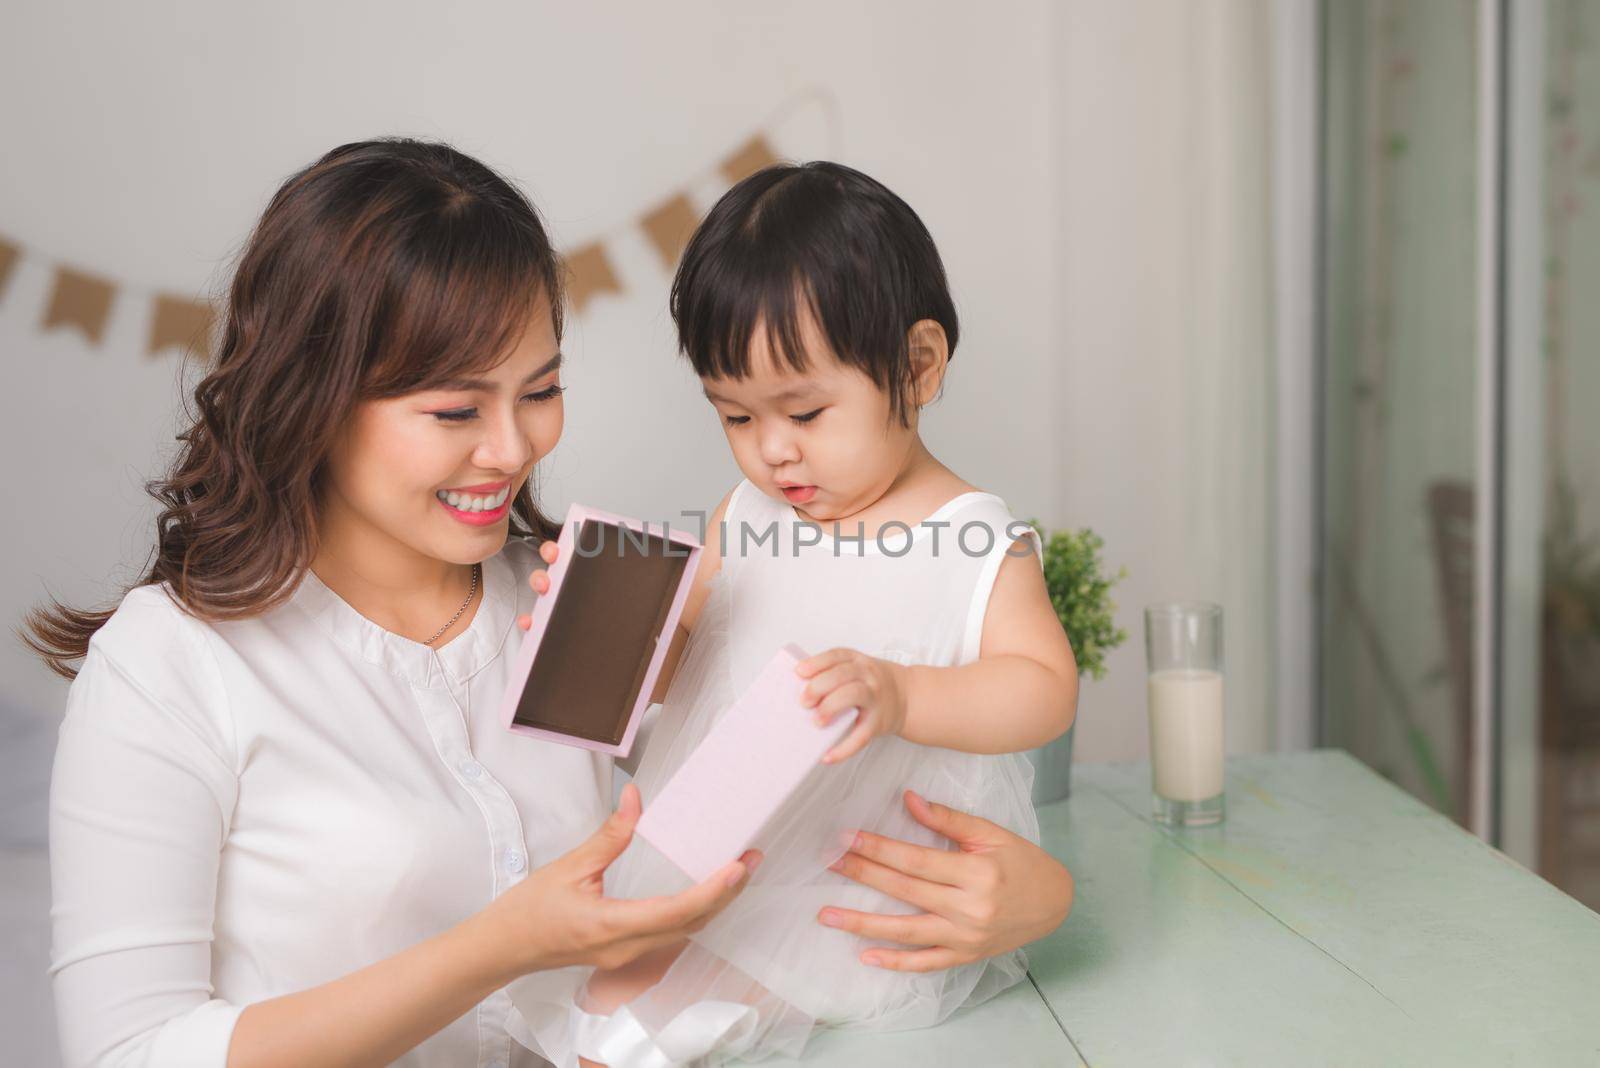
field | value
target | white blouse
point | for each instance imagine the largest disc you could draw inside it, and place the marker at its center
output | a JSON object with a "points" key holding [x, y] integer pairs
{"points": [[248, 809]]}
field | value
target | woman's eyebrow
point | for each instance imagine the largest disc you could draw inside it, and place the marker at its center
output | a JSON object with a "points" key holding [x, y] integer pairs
{"points": [[483, 385]]}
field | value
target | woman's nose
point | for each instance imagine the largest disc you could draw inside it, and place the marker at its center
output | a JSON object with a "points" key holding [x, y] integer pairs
{"points": [[504, 447]]}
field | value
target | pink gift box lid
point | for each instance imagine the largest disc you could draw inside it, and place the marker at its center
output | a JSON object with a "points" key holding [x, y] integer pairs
{"points": [[750, 762], [599, 637]]}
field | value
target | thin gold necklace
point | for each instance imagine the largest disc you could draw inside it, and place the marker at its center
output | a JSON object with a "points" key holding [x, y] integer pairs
{"points": [[471, 592]]}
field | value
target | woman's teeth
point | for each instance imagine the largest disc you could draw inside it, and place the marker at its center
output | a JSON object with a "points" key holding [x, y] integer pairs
{"points": [[472, 502]]}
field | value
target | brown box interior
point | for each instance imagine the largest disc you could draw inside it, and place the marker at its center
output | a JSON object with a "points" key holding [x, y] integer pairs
{"points": [[602, 632]]}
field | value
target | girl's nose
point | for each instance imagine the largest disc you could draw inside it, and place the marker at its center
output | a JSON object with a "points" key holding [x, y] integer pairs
{"points": [[504, 446], [778, 446]]}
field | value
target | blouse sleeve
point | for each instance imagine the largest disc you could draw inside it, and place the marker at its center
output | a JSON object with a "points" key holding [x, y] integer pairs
{"points": [[140, 799]]}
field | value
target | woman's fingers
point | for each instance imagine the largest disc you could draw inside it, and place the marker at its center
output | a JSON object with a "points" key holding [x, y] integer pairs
{"points": [[962, 828], [525, 622], [539, 579], [933, 959], [602, 847], [922, 930], [923, 862], [671, 915], [927, 896]]}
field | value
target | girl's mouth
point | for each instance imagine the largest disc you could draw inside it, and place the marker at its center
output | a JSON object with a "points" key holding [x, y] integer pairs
{"points": [[476, 509], [798, 494]]}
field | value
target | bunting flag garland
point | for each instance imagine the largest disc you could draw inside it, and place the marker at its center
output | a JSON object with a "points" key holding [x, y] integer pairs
{"points": [[83, 301], [666, 226]]}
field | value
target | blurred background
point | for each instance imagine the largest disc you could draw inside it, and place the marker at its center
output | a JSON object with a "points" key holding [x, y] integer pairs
{"points": [[1295, 303]]}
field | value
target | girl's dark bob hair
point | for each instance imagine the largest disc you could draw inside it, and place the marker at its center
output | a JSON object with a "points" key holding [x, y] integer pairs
{"points": [[818, 238]]}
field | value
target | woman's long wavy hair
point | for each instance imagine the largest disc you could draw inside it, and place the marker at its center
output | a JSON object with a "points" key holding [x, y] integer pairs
{"points": [[383, 268]]}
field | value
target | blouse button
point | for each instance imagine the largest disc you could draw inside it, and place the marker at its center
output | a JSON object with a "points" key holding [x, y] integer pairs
{"points": [[471, 768], [515, 861]]}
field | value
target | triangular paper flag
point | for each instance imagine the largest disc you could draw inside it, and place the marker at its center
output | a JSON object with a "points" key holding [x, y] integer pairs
{"points": [[752, 156], [669, 227], [591, 273], [79, 300], [9, 254], [181, 322]]}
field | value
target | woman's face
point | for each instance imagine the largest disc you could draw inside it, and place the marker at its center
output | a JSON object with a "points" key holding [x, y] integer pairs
{"points": [[436, 470]]}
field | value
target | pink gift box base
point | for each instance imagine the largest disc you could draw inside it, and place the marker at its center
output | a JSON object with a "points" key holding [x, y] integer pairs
{"points": [[752, 760]]}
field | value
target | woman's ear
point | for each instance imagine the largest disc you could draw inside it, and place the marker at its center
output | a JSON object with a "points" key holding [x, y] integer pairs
{"points": [[930, 355]]}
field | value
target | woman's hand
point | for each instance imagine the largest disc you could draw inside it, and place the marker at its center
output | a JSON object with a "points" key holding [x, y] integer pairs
{"points": [[539, 579], [995, 892], [558, 916], [842, 679]]}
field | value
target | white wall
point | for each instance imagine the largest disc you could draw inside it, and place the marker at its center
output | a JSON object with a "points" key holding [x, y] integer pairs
{"points": [[1166, 381]]}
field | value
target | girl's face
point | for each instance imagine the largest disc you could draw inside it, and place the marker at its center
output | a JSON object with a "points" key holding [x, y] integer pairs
{"points": [[823, 439], [436, 470]]}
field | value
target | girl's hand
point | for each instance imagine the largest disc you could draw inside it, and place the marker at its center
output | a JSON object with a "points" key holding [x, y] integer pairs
{"points": [[557, 916], [995, 892], [842, 679], [539, 579]]}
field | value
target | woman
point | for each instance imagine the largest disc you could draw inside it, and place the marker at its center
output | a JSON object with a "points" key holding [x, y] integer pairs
{"points": [[286, 826]]}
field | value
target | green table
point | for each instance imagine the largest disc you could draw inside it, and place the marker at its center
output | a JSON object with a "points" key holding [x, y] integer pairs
{"points": [[1331, 920]]}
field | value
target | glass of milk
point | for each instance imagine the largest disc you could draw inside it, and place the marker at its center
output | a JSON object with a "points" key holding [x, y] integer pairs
{"points": [[1183, 648]]}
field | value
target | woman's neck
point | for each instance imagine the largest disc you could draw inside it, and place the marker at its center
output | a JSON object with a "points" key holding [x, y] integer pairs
{"points": [[402, 590]]}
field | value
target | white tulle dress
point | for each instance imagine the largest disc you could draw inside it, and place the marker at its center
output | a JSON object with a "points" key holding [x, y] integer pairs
{"points": [[762, 976]]}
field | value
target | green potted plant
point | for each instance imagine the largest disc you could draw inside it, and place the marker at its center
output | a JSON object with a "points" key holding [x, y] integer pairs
{"points": [[1572, 618], [1080, 590]]}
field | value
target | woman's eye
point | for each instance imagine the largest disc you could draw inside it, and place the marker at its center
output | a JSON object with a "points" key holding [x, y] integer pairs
{"points": [[807, 416], [736, 420], [461, 415]]}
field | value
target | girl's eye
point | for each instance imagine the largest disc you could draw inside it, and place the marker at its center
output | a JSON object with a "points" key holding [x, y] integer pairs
{"points": [[807, 416], [736, 420]]}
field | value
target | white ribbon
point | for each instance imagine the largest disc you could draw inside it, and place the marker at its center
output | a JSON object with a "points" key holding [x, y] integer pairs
{"points": [[621, 1041]]}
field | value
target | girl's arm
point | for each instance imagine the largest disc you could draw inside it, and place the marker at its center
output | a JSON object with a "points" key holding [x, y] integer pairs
{"points": [[1020, 693]]}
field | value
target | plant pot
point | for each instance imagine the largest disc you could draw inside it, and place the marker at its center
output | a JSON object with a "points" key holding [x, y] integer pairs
{"points": [[1052, 769]]}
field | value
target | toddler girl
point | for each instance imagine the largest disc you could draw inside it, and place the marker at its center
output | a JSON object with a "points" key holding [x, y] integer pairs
{"points": [[814, 307]]}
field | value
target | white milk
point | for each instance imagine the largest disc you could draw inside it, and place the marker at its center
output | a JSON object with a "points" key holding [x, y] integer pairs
{"points": [[1186, 734]]}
